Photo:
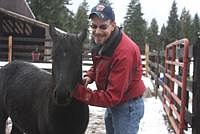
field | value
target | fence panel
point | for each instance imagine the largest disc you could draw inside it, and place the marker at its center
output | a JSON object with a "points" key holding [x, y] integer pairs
{"points": [[173, 105]]}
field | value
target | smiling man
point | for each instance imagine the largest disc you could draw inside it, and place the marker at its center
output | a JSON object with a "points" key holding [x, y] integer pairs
{"points": [[117, 72]]}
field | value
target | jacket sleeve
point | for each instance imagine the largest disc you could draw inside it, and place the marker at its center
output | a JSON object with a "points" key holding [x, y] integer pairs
{"points": [[118, 81]]}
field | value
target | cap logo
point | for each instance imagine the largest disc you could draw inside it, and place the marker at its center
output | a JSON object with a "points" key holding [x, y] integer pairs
{"points": [[100, 8]]}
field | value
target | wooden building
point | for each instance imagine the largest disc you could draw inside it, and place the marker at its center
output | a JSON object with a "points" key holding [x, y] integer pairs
{"points": [[17, 6], [25, 34]]}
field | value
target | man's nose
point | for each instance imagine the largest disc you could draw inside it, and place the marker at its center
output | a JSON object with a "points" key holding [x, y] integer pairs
{"points": [[98, 30]]}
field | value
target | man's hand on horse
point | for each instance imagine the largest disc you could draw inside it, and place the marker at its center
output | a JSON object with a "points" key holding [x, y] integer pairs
{"points": [[86, 80]]}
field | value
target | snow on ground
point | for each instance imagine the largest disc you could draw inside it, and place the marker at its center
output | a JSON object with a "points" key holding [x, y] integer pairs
{"points": [[96, 118], [96, 121], [153, 122]]}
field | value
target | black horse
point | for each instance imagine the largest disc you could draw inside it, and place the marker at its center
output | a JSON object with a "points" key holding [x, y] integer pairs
{"points": [[39, 102]]}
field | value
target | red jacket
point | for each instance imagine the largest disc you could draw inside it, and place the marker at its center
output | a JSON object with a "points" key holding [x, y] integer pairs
{"points": [[117, 77]]}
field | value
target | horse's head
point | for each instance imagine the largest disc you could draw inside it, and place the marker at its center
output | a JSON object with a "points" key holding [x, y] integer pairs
{"points": [[67, 63]]}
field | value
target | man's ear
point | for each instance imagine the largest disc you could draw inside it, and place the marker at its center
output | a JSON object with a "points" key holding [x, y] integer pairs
{"points": [[113, 23]]}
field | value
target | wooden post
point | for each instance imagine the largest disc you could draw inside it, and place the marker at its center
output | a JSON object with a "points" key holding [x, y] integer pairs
{"points": [[147, 58], [10, 43], [196, 90], [157, 68]]}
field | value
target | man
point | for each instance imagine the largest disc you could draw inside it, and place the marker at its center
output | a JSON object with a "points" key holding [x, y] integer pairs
{"points": [[117, 72]]}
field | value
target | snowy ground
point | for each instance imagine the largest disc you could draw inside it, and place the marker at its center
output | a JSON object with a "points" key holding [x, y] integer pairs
{"points": [[96, 122], [153, 122]]}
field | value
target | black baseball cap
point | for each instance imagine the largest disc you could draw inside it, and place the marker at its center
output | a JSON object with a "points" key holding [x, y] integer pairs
{"points": [[103, 11]]}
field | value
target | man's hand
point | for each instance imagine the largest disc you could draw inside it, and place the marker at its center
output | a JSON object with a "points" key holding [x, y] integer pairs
{"points": [[86, 80]]}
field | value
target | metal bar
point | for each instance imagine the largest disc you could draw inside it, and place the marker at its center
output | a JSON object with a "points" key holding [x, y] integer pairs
{"points": [[172, 94], [184, 82], [174, 80], [174, 63], [175, 112], [173, 122], [167, 98], [176, 98]]}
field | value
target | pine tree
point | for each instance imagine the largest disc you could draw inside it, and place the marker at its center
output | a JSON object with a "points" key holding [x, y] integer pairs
{"points": [[164, 37], [81, 21], [185, 24], [106, 2], [195, 29], [134, 24], [152, 35], [81, 17], [53, 12], [173, 27]]}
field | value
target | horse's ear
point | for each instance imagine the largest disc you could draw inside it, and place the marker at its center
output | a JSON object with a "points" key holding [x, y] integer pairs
{"points": [[82, 35], [52, 31]]}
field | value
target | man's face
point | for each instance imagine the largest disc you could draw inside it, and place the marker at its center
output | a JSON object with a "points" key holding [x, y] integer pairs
{"points": [[101, 29]]}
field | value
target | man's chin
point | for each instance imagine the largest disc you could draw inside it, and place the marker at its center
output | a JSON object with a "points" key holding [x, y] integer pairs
{"points": [[99, 42]]}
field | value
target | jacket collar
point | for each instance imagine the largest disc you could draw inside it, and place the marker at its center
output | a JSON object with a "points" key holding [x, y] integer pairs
{"points": [[110, 45]]}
